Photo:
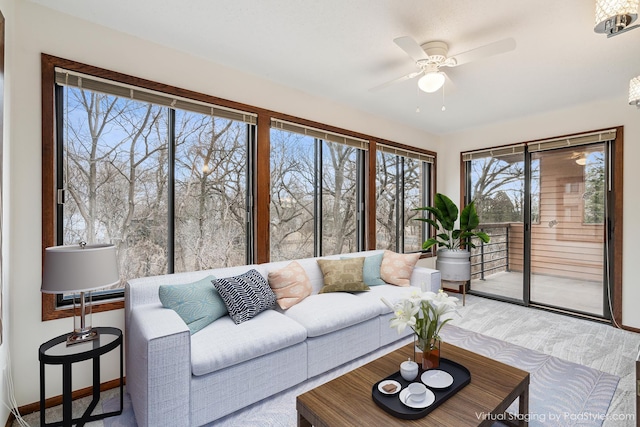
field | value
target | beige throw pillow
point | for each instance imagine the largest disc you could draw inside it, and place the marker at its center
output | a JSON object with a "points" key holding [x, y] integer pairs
{"points": [[396, 268], [341, 271], [290, 284]]}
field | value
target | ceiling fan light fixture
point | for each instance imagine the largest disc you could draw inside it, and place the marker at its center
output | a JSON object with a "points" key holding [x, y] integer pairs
{"points": [[634, 92], [431, 81], [614, 16]]}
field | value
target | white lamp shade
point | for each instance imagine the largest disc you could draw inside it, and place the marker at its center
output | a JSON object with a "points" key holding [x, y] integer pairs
{"points": [[634, 91], [607, 9], [431, 82], [73, 269]]}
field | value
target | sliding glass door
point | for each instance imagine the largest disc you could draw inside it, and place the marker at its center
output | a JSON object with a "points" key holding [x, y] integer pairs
{"points": [[567, 229], [496, 180], [546, 206]]}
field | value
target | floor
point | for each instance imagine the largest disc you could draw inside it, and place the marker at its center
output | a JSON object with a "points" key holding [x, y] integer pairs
{"points": [[572, 294], [594, 344]]}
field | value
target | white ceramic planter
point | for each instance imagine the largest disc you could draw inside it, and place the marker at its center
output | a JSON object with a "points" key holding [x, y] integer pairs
{"points": [[454, 265]]}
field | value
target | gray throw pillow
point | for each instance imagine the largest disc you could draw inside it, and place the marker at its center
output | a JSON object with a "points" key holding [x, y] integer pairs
{"points": [[245, 295]]}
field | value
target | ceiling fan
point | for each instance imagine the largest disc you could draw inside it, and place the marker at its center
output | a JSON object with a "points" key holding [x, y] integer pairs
{"points": [[432, 56]]}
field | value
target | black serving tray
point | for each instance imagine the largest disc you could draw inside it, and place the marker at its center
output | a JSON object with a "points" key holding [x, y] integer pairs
{"points": [[391, 402]]}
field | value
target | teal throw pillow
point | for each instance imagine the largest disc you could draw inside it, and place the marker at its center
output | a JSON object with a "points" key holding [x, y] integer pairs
{"points": [[198, 303], [371, 270]]}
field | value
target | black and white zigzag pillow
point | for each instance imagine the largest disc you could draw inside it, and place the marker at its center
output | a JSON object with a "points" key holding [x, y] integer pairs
{"points": [[245, 295]]}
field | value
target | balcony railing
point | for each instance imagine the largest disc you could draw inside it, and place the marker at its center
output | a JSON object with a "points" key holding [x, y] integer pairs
{"points": [[491, 257]]}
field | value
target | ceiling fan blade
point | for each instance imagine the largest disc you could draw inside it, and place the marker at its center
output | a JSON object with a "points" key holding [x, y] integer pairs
{"points": [[398, 80], [490, 49], [411, 48]]}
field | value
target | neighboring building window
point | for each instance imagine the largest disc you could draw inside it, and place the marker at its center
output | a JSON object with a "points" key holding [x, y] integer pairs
{"points": [[316, 192], [402, 185], [166, 185]]}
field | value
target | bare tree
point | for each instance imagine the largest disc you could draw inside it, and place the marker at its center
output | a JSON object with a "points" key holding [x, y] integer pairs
{"points": [[339, 199], [112, 151], [494, 177], [292, 195], [211, 192]]}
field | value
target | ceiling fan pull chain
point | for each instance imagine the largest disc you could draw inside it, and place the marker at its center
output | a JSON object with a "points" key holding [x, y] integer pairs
{"points": [[443, 107]]}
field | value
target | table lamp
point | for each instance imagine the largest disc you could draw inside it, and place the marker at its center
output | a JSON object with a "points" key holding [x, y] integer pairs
{"points": [[81, 268]]}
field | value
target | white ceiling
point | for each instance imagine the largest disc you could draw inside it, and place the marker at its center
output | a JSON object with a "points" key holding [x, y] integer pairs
{"points": [[339, 49]]}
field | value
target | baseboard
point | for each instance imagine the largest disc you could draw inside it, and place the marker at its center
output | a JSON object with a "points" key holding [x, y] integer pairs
{"points": [[631, 329], [57, 400]]}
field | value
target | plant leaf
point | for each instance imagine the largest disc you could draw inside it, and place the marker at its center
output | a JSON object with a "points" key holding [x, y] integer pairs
{"points": [[428, 243]]}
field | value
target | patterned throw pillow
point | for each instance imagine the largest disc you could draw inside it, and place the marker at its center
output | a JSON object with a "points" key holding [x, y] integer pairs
{"points": [[246, 295], [396, 268], [198, 303], [290, 284], [342, 275]]}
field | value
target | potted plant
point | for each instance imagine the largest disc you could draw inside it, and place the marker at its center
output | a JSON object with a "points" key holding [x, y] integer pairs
{"points": [[453, 256]]}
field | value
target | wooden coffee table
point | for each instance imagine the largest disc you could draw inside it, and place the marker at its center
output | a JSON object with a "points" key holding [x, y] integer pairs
{"points": [[347, 401]]}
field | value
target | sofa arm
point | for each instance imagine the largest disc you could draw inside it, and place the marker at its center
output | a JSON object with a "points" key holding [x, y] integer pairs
{"points": [[426, 279], [158, 366]]}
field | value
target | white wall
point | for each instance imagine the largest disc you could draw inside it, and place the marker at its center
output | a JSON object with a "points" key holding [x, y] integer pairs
{"points": [[596, 115], [6, 6], [42, 30]]}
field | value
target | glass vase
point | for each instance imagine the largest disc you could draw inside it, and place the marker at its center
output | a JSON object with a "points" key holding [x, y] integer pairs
{"points": [[427, 353]]}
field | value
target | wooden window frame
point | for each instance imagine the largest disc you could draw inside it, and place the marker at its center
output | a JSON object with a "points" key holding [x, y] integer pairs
{"points": [[261, 174]]}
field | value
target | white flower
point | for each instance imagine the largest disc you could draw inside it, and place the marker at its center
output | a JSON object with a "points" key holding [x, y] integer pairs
{"points": [[422, 312], [405, 315], [443, 303]]}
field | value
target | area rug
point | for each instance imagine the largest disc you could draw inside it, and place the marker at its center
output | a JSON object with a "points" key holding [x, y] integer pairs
{"points": [[561, 393]]}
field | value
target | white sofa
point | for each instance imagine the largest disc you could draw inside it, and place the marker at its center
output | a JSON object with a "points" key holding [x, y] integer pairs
{"points": [[178, 379]]}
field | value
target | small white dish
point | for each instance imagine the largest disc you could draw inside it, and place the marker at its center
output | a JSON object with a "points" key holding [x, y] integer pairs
{"points": [[435, 378], [411, 403], [385, 382]]}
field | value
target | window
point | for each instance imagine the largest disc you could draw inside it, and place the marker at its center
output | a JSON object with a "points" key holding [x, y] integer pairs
{"points": [[211, 192], [182, 181], [402, 184], [167, 186], [316, 192]]}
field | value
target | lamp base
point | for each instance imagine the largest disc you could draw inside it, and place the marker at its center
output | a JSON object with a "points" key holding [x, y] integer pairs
{"points": [[78, 337]]}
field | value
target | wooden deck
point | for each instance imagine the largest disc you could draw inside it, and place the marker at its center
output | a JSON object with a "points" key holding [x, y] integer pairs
{"points": [[573, 294]]}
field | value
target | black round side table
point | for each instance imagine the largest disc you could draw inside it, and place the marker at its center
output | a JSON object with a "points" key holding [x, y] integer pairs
{"points": [[56, 352]]}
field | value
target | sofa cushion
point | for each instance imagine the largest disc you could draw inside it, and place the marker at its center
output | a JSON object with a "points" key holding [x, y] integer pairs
{"points": [[223, 343], [245, 295], [198, 303], [290, 284], [396, 268], [341, 271], [391, 293], [325, 313]]}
